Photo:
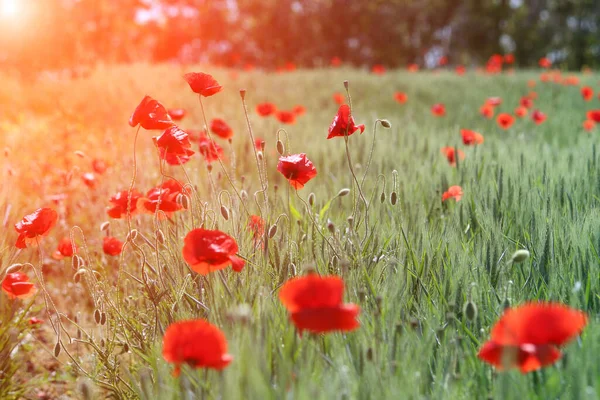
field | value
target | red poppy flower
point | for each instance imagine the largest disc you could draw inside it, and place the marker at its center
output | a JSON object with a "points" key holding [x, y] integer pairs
{"points": [[521, 111], [289, 66], [266, 109], [589, 125], [526, 102], [89, 179], [315, 304], [174, 146], [505, 121], [203, 84], [378, 69], [297, 169], [17, 286], [286, 117], [413, 67], [38, 223], [545, 62], [453, 192], [439, 110], [443, 60], [449, 152], [209, 149], [196, 343], [487, 111], [587, 93], [118, 203], [494, 101], [299, 110], [528, 336], [336, 62], [112, 246], [343, 123], [593, 115], [460, 70], [64, 249], [150, 114], [220, 128], [400, 97], [470, 137], [339, 98], [163, 197], [99, 166], [509, 59], [176, 114], [257, 226], [210, 250], [538, 117]]}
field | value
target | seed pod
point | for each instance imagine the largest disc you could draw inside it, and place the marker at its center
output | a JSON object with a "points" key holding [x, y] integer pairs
{"points": [[519, 256], [393, 198], [343, 192], [470, 310], [104, 226], [280, 147], [225, 213], [272, 231], [160, 236], [57, 349], [311, 199], [103, 318], [97, 316], [385, 123]]}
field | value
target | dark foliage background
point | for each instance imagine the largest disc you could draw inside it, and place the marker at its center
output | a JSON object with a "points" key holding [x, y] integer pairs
{"points": [[52, 34]]}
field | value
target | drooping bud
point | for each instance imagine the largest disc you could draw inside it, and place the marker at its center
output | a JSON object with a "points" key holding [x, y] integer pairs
{"points": [[519, 256], [330, 226], [385, 123], [14, 268], [343, 192], [393, 198], [184, 201], [57, 349], [225, 213], [97, 316], [272, 231], [280, 147], [311, 199], [470, 310], [104, 226], [260, 155], [382, 197], [160, 236]]}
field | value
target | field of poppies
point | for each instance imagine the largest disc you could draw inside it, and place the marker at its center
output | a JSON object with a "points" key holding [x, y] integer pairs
{"points": [[196, 232]]}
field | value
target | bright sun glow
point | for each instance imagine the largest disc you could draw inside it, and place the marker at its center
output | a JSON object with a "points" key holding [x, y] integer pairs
{"points": [[9, 8]]}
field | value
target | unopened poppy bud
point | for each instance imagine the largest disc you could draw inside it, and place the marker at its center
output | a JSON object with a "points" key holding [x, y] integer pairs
{"points": [[343, 192], [470, 310], [76, 262], [244, 195], [382, 198], [104, 226], [160, 236], [97, 316], [57, 349], [385, 123], [102, 343], [334, 261], [330, 226], [370, 354], [103, 318], [346, 84], [262, 145], [520, 256], [272, 231], [131, 236], [184, 201], [80, 153], [243, 93], [311, 199], [280, 147], [393, 198], [209, 167], [225, 212], [14, 268]]}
